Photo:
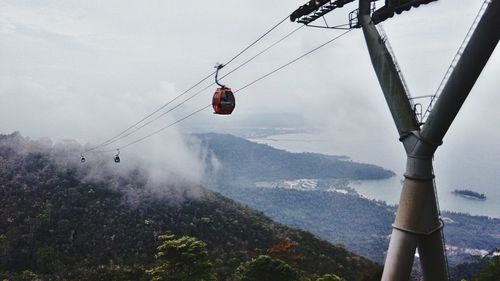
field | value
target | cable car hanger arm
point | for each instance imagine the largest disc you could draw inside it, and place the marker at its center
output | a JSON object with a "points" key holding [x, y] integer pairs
{"points": [[218, 66]]}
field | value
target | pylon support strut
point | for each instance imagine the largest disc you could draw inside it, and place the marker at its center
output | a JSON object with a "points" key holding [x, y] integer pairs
{"points": [[417, 224]]}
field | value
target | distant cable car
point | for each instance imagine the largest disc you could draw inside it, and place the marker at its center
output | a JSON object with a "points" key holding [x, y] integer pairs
{"points": [[223, 100], [117, 157], [82, 159]]}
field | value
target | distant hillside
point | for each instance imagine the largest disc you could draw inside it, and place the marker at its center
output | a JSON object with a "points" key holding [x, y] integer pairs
{"points": [[362, 225], [61, 223], [242, 159]]}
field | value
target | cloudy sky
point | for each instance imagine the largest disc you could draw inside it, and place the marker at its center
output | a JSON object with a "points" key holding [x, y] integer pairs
{"points": [[88, 69]]}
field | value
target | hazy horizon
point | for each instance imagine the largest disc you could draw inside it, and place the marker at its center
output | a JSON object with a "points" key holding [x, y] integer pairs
{"points": [[87, 70]]}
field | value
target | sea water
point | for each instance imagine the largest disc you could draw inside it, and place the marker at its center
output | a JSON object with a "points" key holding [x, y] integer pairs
{"points": [[457, 166]]}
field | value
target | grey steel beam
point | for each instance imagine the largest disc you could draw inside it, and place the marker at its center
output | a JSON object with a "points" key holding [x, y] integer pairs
{"points": [[387, 74], [465, 74], [432, 259], [418, 213], [402, 245], [467, 71]]}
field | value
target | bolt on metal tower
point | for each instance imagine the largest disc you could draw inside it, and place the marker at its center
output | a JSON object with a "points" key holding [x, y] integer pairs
{"points": [[418, 224]]}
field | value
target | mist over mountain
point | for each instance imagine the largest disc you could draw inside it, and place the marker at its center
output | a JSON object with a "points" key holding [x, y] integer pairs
{"points": [[64, 220]]}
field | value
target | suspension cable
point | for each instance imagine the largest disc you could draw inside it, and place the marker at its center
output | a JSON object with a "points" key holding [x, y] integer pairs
{"points": [[293, 61], [118, 136], [239, 90], [257, 40], [132, 129], [263, 51]]}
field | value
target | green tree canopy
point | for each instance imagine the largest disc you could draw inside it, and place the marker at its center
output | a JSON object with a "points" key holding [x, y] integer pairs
{"points": [[330, 277], [181, 259], [491, 272], [265, 268]]}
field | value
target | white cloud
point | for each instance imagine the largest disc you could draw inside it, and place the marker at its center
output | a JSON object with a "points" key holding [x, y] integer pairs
{"points": [[86, 69]]}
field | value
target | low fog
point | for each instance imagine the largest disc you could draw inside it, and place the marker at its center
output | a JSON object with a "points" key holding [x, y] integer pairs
{"points": [[87, 70], [173, 170]]}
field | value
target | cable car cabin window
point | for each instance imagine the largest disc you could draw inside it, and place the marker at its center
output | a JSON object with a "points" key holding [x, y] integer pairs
{"points": [[227, 97]]}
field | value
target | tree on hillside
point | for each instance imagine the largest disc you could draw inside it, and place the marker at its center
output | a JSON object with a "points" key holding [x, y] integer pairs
{"points": [[285, 251], [181, 259], [330, 277], [491, 272], [265, 268]]}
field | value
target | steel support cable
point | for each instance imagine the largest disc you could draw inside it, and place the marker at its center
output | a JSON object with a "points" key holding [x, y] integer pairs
{"points": [[263, 51], [113, 139], [257, 40], [239, 90], [116, 137], [133, 129], [293, 61], [457, 56]]}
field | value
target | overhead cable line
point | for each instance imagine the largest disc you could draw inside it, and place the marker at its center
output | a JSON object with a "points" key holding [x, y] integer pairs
{"points": [[133, 129], [240, 89], [166, 127], [116, 137], [257, 40], [293, 61], [261, 52]]}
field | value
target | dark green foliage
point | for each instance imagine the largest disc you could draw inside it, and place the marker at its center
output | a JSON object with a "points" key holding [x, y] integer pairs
{"points": [[265, 268], [362, 225], [242, 159], [483, 269], [491, 272], [330, 277], [60, 224], [466, 270], [182, 259], [109, 273]]}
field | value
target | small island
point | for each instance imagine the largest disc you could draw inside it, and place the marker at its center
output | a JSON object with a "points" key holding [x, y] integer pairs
{"points": [[469, 194]]}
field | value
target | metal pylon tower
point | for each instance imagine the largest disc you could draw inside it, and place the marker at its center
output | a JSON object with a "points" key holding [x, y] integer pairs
{"points": [[417, 224]]}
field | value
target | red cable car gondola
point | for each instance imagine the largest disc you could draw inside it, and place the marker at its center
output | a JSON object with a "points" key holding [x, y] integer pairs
{"points": [[223, 100]]}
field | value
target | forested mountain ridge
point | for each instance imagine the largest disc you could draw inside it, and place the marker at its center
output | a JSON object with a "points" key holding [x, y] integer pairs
{"points": [[60, 224], [331, 209], [361, 224], [243, 159]]}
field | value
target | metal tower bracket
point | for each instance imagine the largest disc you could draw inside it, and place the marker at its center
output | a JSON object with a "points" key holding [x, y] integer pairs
{"points": [[316, 9]]}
